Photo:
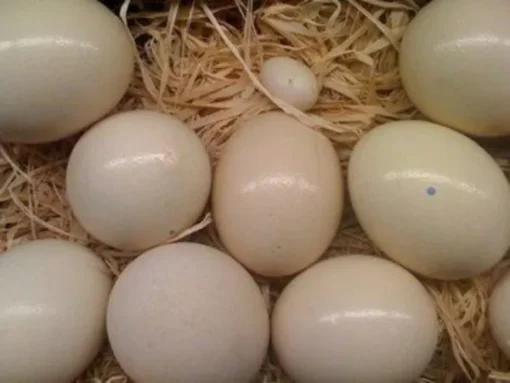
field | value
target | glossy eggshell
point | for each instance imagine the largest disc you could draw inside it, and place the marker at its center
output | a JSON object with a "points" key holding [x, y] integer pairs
{"points": [[452, 61], [138, 178], [291, 81], [277, 194], [354, 318], [499, 313], [187, 313], [431, 199], [53, 299], [63, 65]]}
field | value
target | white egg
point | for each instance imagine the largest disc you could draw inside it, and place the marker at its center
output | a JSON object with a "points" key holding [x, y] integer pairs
{"points": [[53, 299], [452, 62], [499, 315], [354, 318], [277, 194], [187, 313], [431, 199], [290, 81], [63, 65], [138, 178]]}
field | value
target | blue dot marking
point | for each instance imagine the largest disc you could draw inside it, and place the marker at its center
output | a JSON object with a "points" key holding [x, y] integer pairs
{"points": [[431, 190]]}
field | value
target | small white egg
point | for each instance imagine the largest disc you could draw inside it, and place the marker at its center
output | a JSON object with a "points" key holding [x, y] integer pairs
{"points": [[290, 81], [452, 63], [431, 199], [186, 312], [53, 299], [138, 178], [499, 314], [63, 65], [277, 194], [354, 318]]}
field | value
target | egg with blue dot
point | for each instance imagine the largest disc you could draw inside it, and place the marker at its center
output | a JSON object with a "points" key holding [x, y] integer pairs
{"points": [[431, 199]]}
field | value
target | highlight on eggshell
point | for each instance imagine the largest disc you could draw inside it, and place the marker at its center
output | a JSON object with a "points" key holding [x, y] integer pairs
{"points": [[187, 313], [354, 318], [431, 198], [53, 300], [63, 65], [278, 195], [451, 61], [137, 179], [291, 81]]}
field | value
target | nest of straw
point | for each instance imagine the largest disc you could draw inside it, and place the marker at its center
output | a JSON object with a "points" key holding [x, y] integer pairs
{"points": [[199, 62]]}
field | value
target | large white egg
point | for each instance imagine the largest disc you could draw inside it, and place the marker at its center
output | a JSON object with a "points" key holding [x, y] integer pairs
{"points": [[63, 65], [431, 199], [291, 81], [138, 178], [277, 194], [186, 312], [354, 318], [452, 62], [53, 299], [499, 313]]}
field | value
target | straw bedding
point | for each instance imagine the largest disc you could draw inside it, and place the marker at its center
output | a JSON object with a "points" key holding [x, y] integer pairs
{"points": [[200, 63]]}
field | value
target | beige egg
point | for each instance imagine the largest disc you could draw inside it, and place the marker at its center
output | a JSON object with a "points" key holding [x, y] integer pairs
{"points": [[187, 313], [138, 178], [277, 194], [63, 65], [354, 318], [452, 62], [431, 199], [53, 298], [290, 81], [499, 314]]}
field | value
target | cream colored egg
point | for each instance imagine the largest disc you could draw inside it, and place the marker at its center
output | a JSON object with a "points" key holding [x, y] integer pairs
{"points": [[452, 62], [53, 299], [138, 178], [291, 81], [354, 318], [187, 313], [499, 314], [431, 198], [63, 65], [277, 194]]}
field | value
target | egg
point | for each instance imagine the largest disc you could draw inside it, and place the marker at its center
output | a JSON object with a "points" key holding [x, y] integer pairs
{"points": [[452, 61], [63, 65], [354, 318], [291, 81], [499, 316], [431, 199], [277, 194], [187, 312], [53, 299], [138, 178]]}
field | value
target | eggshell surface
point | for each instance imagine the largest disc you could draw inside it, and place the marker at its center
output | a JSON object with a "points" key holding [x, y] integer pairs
{"points": [[63, 65], [499, 315], [354, 318], [277, 194], [138, 178], [291, 81], [431, 199], [53, 299], [451, 63], [186, 312]]}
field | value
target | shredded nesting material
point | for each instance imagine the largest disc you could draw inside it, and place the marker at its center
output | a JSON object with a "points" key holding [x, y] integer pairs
{"points": [[200, 63]]}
